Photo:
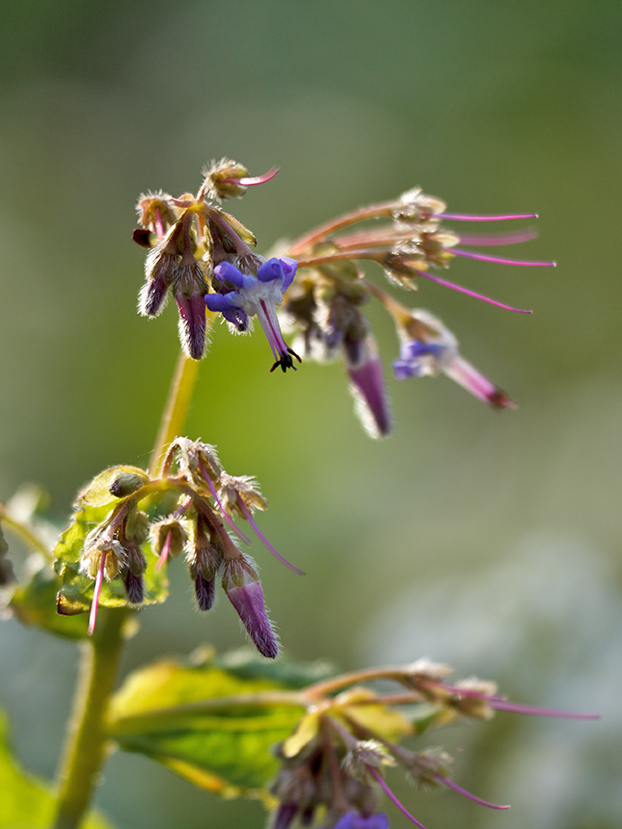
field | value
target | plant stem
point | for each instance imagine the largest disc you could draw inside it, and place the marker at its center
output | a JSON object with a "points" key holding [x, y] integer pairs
{"points": [[86, 738], [26, 533], [176, 408], [86, 735]]}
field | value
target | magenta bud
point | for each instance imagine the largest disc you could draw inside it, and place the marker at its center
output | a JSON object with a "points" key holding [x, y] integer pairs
{"points": [[367, 387], [134, 587], [205, 590], [249, 604], [191, 324], [153, 296]]}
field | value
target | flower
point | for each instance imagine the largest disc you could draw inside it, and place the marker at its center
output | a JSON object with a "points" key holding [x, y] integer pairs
{"points": [[352, 820], [256, 296], [428, 348]]}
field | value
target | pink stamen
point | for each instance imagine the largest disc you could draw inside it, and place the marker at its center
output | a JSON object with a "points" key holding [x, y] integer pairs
{"points": [[514, 238], [466, 291], [450, 783], [250, 181], [502, 704], [96, 591], [159, 227], [165, 551], [482, 257], [264, 540], [221, 507], [520, 708], [378, 777], [464, 217]]}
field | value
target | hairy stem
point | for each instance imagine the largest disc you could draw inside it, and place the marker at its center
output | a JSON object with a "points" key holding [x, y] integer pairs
{"points": [[176, 409], [86, 738]]}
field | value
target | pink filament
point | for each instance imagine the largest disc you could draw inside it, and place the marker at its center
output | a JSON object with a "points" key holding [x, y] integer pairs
{"points": [[514, 238], [265, 541], [447, 782], [165, 551], [249, 181], [464, 217], [520, 708], [502, 704], [391, 796], [96, 591], [466, 291], [223, 511], [482, 257]]}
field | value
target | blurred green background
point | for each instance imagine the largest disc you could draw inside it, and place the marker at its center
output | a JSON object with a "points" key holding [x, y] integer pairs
{"points": [[492, 542]]}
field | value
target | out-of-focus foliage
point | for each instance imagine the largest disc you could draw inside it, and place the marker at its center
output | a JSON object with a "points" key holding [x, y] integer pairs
{"points": [[27, 802]]}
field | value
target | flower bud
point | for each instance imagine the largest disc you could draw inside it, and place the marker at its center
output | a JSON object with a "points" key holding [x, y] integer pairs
{"points": [[203, 561], [364, 367], [245, 593]]}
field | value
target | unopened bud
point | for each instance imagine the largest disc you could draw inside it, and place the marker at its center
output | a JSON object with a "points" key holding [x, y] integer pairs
{"points": [[191, 324], [125, 483], [364, 368], [245, 593]]}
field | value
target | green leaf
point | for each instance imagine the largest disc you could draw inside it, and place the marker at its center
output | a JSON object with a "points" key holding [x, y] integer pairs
{"points": [[76, 591], [170, 711], [34, 603], [26, 801], [113, 484], [247, 664]]}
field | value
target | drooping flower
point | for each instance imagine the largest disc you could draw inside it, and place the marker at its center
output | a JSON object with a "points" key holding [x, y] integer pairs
{"points": [[429, 348], [244, 296]]}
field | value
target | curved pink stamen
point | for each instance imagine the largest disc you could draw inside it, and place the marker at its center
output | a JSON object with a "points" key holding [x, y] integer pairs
{"points": [[514, 238], [96, 591], [165, 551], [450, 783], [521, 708], [466, 291], [464, 217], [483, 257], [378, 777], [250, 181], [264, 540], [503, 704], [221, 507]]}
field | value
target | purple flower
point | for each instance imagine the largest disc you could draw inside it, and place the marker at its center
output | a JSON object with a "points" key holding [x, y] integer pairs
{"points": [[429, 348], [352, 820], [256, 296]]}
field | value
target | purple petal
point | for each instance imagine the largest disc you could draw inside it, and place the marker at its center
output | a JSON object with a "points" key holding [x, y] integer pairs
{"points": [[270, 270], [219, 303], [227, 271]]}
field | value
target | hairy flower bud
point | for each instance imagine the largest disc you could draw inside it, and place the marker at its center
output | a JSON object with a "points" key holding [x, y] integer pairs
{"points": [[241, 583]]}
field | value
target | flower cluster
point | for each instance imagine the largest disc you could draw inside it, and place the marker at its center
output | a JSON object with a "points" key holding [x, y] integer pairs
{"points": [[409, 242], [191, 505], [194, 245], [334, 762]]}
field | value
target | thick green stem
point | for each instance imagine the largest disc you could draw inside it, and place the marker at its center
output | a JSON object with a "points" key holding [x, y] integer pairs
{"points": [[86, 738], [176, 409]]}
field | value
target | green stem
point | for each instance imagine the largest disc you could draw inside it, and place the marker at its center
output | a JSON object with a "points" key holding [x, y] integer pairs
{"points": [[176, 409], [26, 533], [86, 738], [86, 735]]}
